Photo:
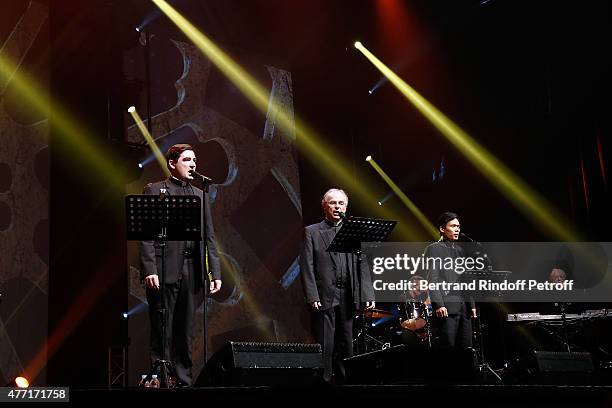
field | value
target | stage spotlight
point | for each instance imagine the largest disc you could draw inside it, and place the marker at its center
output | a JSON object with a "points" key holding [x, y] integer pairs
{"points": [[139, 308], [377, 85], [137, 29], [148, 19], [19, 382], [22, 382], [386, 198], [402, 196], [127, 156], [147, 136], [140, 165], [357, 44]]}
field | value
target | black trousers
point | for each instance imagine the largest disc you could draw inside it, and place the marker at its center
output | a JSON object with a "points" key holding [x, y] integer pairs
{"points": [[180, 304], [333, 329], [456, 329]]}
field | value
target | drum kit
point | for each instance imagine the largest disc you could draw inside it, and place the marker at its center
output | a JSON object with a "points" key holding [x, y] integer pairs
{"points": [[407, 323]]}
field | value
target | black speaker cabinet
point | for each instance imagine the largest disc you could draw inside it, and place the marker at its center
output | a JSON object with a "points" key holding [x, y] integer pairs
{"points": [[563, 362], [401, 364], [249, 363], [558, 368]]}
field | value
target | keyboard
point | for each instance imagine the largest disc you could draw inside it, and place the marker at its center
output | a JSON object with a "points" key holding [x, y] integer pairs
{"points": [[536, 317]]}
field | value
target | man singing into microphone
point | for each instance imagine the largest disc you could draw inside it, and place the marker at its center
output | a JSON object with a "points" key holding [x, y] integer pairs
{"points": [[187, 264], [455, 326], [332, 286]]}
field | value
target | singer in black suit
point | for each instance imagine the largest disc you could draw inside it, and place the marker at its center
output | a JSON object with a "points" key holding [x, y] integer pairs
{"points": [[453, 318], [332, 285], [186, 264]]}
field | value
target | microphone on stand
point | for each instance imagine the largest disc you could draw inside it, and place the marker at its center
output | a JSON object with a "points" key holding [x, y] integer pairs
{"points": [[470, 239], [341, 214], [461, 234], [199, 176]]}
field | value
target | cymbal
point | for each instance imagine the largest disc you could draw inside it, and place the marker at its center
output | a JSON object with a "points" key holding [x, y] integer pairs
{"points": [[376, 313]]}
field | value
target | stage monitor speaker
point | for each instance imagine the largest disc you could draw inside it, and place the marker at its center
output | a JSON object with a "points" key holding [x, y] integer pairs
{"points": [[558, 368], [402, 364], [250, 363], [563, 362]]}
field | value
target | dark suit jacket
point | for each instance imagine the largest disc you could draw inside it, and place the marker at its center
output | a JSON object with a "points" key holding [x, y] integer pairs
{"points": [[450, 299], [150, 253], [318, 269]]}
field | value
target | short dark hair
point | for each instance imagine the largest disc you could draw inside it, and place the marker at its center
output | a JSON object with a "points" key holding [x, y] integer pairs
{"points": [[445, 217], [175, 151]]}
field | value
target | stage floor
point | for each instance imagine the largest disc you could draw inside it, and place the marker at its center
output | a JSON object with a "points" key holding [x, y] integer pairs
{"points": [[422, 395]]}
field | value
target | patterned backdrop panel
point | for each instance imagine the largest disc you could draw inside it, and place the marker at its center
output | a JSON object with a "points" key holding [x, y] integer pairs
{"points": [[24, 189]]}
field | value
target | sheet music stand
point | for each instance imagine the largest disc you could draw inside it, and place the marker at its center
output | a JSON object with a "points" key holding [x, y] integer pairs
{"points": [[354, 231], [163, 218]]}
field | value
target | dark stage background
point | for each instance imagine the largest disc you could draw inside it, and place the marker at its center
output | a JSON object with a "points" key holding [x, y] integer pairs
{"points": [[528, 80]]}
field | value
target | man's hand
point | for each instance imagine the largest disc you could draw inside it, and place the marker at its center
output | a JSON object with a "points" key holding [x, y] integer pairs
{"points": [[152, 281], [215, 286], [370, 305], [315, 305], [442, 312], [474, 314]]}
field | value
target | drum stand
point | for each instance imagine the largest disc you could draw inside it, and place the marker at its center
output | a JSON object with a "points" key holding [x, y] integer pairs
{"points": [[428, 326], [363, 338]]}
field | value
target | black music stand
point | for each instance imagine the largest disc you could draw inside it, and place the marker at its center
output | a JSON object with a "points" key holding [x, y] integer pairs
{"points": [[163, 218], [354, 231], [496, 277]]}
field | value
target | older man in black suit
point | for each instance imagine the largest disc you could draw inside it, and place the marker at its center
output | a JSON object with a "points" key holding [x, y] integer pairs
{"points": [[186, 263], [332, 286]]}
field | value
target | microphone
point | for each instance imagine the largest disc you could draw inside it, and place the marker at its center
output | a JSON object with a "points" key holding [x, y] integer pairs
{"points": [[470, 239], [341, 214], [461, 234], [199, 176]]}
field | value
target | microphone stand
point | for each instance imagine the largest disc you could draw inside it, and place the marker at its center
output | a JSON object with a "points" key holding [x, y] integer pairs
{"points": [[205, 182], [362, 334], [483, 366], [163, 364]]}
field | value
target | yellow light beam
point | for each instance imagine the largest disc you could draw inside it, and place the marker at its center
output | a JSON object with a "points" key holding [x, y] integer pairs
{"points": [[525, 198], [309, 143], [247, 299], [407, 201], [77, 142], [161, 159]]}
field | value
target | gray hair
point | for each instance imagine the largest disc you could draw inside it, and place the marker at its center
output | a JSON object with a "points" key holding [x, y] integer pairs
{"points": [[330, 191]]}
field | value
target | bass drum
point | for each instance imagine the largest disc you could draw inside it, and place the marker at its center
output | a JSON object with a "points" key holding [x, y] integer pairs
{"points": [[414, 339], [414, 317]]}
